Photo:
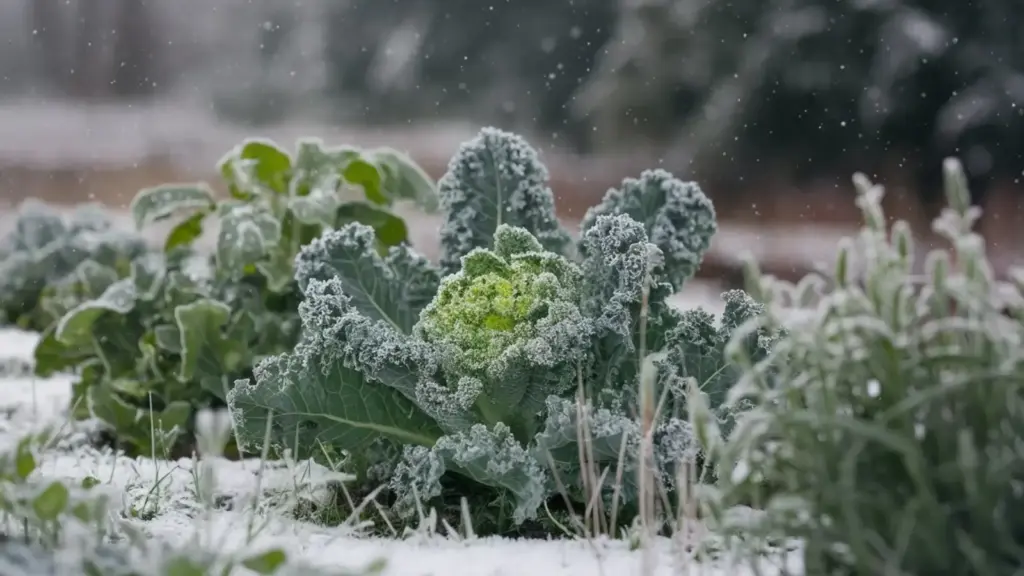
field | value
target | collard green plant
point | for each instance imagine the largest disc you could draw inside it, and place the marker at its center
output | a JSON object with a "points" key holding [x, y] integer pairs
{"points": [[171, 337], [890, 427], [417, 373], [50, 261]]}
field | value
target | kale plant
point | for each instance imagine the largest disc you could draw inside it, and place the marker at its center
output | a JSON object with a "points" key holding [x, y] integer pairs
{"points": [[487, 368], [890, 425], [50, 262], [172, 336]]}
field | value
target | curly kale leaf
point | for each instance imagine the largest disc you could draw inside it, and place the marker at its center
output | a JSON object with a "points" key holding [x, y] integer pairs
{"points": [[678, 217], [347, 384], [496, 179], [358, 374], [491, 456], [619, 264], [392, 289], [608, 439], [509, 321]]}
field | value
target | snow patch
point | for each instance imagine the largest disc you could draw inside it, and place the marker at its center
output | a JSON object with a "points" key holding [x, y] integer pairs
{"points": [[164, 492]]}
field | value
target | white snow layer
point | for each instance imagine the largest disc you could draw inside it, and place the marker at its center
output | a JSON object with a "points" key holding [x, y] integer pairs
{"points": [[166, 490]]}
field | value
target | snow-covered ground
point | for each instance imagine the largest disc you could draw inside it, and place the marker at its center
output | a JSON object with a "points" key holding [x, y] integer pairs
{"points": [[165, 490]]}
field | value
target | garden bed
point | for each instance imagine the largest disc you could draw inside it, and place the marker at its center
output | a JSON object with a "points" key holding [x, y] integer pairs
{"points": [[164, 490]]}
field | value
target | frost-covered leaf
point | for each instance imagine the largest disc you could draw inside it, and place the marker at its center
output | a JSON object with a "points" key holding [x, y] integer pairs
{"points": [[317, 400], [320, 204], [267, 164], [406, 180], [392, 289], [39, 257], [247, 233], [494, 457], [278, 270], [390, 228], [363, 173], [144, 429], [618, 261], [495, 179], [185, 232], [160, 202], [148, 272], [677, 216], [208, 353], [77, 325]]}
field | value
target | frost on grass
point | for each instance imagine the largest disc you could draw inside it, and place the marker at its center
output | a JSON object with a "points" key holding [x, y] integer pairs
{"points": [[886, 430]]}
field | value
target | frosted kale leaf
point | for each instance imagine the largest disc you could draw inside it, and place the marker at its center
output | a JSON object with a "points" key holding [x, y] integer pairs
{"points": [[495, 179], [356, 375], [491, 456], [618, 262], [678, 217], [607, 436], [392, 289], [318, 400]]}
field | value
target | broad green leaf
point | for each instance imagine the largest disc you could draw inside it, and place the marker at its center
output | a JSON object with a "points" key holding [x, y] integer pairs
{"points": [[51, 502], [406, 180], [390, 229], [168, 338], [24, 460], [141, 428], [77, 325], [271, 165], [320, 205], [365, 174], [207, 353], [160, 202], [186, 231], [52, 356], [246, 235], [266, 562], [278, 269], [94, 277], [316, 399], [392, 289], [148, 272]]}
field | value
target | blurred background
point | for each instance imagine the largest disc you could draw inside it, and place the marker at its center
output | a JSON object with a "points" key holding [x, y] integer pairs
{"points": [[771, 105]]}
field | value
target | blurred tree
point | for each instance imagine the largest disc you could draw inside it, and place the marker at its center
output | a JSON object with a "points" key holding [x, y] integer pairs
{"points": [[47, 33], [825, 83], [136, 60], [520, 60]]}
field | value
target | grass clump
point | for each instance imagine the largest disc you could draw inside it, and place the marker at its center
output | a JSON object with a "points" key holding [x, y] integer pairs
{"points": [[888, 421]]}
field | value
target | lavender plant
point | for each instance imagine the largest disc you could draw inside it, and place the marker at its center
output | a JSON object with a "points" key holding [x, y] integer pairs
{"points": [[483, 370], [887, 421]]}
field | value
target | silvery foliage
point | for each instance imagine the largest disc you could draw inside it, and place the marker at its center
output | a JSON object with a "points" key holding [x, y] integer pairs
{"points": [[48, 249], [491, 365], [887, 426]]}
